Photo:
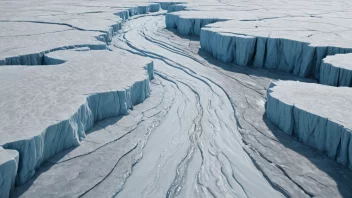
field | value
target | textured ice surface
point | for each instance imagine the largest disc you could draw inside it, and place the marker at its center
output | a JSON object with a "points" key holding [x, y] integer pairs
{"points": [[291, 38], [318, 115], [291, 45], [46, 109], [337, 70], [109, 142], [202, 134], [8, 170], [28, 34]]}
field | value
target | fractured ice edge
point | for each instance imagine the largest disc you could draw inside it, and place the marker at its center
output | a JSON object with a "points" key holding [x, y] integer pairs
{"points": [[20, 157], [317, 114], [76, 34], [40, 146], [250, 40], [265, 40]]}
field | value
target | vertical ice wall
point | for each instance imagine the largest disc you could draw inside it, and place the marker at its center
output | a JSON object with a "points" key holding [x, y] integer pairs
{"points": [[8, 170], [295, 57], [19, 159], [68, 133], [255, 43], [317, 115], [337, 70], [189, 25]]}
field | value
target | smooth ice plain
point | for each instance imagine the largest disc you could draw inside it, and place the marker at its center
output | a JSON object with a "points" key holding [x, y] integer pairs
{"points": [[142, 98]]}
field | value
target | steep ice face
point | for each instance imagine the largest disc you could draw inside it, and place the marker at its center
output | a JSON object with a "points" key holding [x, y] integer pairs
{"points": [[89, 86], [49, 109], [8, 170], [317, 114], [271, 44], [190, 23], [79, 28], [43, 119], [283, 39], [337, 70]]}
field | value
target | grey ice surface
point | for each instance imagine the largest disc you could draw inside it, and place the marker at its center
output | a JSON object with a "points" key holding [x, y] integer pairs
{"points": [[296, 38], [200, 128]]}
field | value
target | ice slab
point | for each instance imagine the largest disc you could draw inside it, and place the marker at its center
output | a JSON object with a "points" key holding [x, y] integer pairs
{"points": [[289, 38], [46, 109], [191, 21], [337, 70], [8, 170], [318, 115], [112, 141], [295, 46], [28, 34]]}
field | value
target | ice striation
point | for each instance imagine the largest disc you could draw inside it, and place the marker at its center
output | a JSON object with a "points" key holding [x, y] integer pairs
{"points": [[91, 75], [317, 114], [272, 45], [305, 44]]}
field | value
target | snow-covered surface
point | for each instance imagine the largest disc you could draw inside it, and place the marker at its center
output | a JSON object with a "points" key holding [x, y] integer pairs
{"points": [[293, 38], [203, 132], [28, 33], [319, 115], [46, 109], [337, 70], [297, 38]]}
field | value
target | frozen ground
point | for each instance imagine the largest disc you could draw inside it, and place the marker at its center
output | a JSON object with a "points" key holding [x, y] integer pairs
{"points": [[70, 126]]}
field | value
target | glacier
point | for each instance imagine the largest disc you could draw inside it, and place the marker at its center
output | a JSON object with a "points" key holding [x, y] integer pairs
{"points": [[84, 31], [245, 99], [324, 124], [265, 40]]}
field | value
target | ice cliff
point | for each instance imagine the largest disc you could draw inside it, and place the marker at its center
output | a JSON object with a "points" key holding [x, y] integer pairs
{"points": [[264, 40], [8, 170], [316, 114], [297, 44], [78, 92], [337, 70]]}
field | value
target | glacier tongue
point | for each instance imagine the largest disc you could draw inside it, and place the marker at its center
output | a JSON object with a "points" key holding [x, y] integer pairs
{"points": [[88, 29]]}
